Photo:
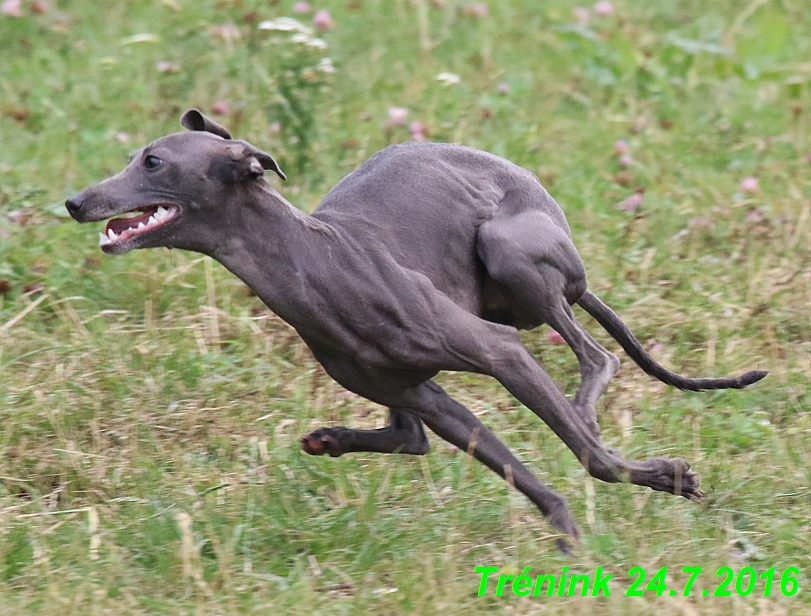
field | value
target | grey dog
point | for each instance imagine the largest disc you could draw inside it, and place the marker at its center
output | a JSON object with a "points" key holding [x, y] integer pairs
{"points": [[429, 257]]}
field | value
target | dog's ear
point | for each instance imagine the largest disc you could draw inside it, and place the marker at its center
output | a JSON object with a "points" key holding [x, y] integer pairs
{"points": [[262, 160], [258, 161], [253, 161], [194, 120]]}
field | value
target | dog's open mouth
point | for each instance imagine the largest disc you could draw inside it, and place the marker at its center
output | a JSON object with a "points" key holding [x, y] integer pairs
{"points": [[135, 223]]}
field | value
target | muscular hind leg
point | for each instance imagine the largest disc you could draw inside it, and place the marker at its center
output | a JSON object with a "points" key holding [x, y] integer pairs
{"points": [[526, 380], [597, 365], [501, 355], [538, 268]]}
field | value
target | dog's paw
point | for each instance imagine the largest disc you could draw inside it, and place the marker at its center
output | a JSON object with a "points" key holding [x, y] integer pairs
{"points": [[322, 441], [671, 475], [686, 483]]}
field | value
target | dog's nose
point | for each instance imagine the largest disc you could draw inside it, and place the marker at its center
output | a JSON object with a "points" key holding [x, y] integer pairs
{"points": [[74, 204]]}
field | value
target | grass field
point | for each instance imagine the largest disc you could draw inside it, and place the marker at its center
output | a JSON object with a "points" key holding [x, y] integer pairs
{"points": [[150, 407]]}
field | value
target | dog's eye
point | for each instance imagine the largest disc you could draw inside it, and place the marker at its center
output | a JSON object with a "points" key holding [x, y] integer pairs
{"points": [[150, 162]]}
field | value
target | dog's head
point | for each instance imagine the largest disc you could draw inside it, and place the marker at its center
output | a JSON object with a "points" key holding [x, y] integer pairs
{"points": [[172, 183]]}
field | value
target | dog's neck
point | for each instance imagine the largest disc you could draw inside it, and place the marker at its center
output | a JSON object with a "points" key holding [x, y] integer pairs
{"points": [[270, 245]]}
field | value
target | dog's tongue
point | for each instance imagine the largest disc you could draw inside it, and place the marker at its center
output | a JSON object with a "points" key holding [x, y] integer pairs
{"points": [[119, 225]]}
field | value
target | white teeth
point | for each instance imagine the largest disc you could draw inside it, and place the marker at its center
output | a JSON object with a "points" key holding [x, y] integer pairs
{"points": [[161, 214]]}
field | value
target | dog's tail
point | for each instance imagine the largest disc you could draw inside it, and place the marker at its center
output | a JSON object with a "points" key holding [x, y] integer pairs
{"points": [[620, 332]]}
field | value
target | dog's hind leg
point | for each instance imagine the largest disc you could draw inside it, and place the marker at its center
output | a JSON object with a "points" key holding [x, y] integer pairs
{"points": [[540, 273], [506, 359], [597, 365], [472, 344]]}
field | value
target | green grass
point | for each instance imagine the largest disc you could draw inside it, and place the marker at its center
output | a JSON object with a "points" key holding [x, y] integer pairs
{"points": [[136, 391]]}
